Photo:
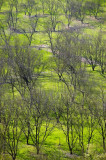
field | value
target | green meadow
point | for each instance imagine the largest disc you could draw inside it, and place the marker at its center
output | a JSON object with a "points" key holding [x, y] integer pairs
{"points": [[52, 80]]}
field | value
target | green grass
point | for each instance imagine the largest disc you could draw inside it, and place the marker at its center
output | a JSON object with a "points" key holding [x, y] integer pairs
{"points": [[55, 147]]}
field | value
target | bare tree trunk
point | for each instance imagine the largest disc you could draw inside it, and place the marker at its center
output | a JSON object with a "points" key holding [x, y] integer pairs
{"points": [[104, 147], [28, 133]]}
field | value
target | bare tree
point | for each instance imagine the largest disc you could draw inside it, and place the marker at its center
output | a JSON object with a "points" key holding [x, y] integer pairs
{"points": [[43, 122], [73, 75], [43, 5], [11, 131], [102, 53], [29, 6], [80, 122], [49, 31], [90, 50], [69, 10], [100, 115], [30, 31], [68, 121], [5, 38], [80, 11], [93, 7], [94, 50], [56, 105], [90, 118], [26, 66], [26, 118], [67, 55], [12, 14], [53, 7]]}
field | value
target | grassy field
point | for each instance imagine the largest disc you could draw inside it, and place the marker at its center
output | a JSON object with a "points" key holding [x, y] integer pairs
{"points": [[55, 147]]}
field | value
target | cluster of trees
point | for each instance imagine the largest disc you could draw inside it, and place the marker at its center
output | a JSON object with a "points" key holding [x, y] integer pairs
{"points": [[53, 9], [26, 108], [95, 51], [83, 104]]}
